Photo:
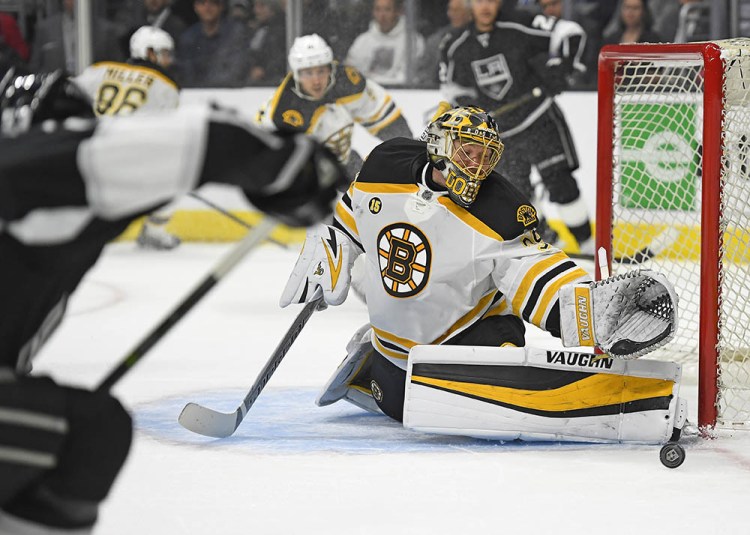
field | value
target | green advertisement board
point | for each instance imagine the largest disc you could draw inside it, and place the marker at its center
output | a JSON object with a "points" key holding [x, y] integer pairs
{"points": [[659, 156]]}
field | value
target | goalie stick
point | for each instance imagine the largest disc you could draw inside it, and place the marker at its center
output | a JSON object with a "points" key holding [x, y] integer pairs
{"points": [[231, 216], [520, 101], [211, 423], [225, 265]]}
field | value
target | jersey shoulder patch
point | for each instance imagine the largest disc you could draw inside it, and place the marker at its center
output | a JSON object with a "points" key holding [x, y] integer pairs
{"points": [[503, 208], [396, 161], [348, 81]]}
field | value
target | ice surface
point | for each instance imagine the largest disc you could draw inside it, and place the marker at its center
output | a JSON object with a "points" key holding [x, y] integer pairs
{"points": [[292, 467]]}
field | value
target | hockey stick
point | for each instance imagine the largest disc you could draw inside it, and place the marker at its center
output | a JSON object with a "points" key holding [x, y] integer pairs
{"points": [[520, 101], [248, 243], [211, 423], [660, 243], [231, 216]]}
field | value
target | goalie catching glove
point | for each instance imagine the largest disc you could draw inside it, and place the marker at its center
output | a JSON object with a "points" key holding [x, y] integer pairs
{"points": [[625, 316], [326, 262]]}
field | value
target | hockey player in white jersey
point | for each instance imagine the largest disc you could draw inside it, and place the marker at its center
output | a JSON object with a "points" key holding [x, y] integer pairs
{"points": [[324, 99], [453, 258], [141, 84]]}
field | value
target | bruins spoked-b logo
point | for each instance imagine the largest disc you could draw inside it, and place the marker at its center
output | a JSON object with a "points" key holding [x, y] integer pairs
{"points": [[405, 257]]}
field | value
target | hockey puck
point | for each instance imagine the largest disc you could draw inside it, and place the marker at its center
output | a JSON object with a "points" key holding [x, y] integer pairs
{"points": [[672, 455]]}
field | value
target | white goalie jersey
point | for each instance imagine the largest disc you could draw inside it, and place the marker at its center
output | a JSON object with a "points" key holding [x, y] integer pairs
{"points": [[123, 88], [455, 266]]}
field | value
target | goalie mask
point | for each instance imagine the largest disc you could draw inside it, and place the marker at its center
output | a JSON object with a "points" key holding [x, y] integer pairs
{"points": [[464, 145], [307, 52]]}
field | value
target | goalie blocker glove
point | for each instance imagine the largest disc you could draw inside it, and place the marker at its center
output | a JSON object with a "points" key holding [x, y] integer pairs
{"points": [[325, 261], [626, 316]]}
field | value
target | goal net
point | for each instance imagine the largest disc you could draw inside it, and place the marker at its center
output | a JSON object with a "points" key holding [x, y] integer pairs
{"points": [[673, 195]]}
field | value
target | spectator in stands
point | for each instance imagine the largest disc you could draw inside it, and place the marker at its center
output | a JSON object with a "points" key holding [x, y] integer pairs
{"points": [[335, 21], [268, 43], [380, 52], [56, 41], [667, 21], [150, 13], [459, 15], [13, 48], [213, 52], [239, 10], [634, 25]]}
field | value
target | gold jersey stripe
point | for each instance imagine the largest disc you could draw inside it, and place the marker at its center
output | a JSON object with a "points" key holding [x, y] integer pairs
{"points": [[380, 126], [496, 309], [550, 293], [396, 340], [527, 283], [469, 219], [346, 218], [378, 113], [597, 390], [389, 352], [475, 312], [277, 95], [347, 99], [382, 187], [319, 111]]}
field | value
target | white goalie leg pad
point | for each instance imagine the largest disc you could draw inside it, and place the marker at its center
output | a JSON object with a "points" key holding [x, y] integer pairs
{"points": [[540, 395], [339, 385]]}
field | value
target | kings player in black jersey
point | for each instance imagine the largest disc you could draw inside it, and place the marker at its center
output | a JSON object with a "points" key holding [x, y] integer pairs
{"points": [[70, 183], [513, 68]]}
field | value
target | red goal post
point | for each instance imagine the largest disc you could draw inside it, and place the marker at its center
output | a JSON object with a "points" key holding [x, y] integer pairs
{"points": [[673, 180]]}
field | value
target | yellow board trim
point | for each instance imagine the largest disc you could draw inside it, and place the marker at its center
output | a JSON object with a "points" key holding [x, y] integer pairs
{"points": [[598, 390]]}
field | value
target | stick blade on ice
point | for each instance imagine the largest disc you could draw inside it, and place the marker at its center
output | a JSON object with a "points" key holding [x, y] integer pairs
{"points": [[207, 422]]}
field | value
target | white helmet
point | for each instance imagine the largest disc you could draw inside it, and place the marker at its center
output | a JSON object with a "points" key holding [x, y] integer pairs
{"points": [[149, 37], [309, 51]]}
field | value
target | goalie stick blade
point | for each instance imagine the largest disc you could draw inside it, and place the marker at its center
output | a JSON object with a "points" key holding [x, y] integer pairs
{"points": [[208, 422]]}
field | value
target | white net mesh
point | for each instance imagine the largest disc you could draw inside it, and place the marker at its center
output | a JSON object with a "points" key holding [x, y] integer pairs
{"points": [[656, 204]]}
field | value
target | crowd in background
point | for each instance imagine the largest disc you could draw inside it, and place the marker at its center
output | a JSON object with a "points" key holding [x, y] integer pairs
{"points": [[238, 43]]}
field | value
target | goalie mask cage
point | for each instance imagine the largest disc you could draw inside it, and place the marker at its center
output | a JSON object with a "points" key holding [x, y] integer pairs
{"points": [[673, 180]]}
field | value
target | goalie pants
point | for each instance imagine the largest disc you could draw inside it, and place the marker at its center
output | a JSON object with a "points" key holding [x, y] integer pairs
{"points": [[388, 381], [60, 450]]}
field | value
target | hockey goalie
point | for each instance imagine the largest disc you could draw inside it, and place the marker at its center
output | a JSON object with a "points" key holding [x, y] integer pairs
{"points": [[453, 267]]}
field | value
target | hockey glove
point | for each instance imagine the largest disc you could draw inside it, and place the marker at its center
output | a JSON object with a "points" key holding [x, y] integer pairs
{"points": [[326, 261], [625, 316], [304, 191]]}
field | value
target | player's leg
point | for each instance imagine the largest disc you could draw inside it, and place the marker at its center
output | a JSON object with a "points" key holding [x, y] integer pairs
{"points": [[154, 234], [60, 450], [538, 394], [556, 160]]}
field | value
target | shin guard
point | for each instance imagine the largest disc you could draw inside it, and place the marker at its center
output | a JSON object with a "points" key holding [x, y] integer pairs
{"points": [[540, 395]]}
